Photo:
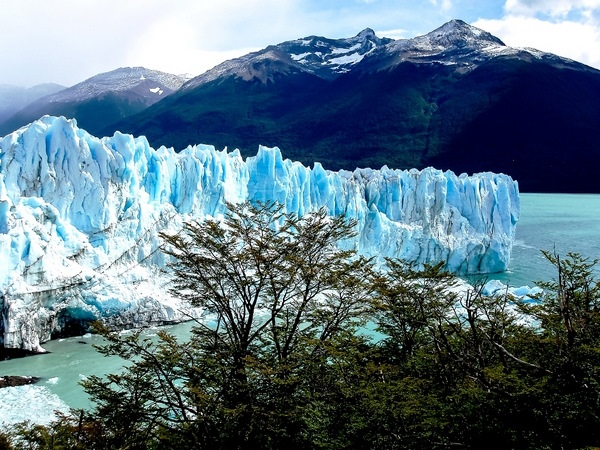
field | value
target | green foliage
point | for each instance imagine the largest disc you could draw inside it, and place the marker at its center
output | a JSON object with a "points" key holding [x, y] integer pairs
{"points": [[73, 432], [285, 363], [568, 346]]}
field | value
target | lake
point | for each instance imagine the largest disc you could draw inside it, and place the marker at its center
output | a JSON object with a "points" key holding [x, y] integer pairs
{"points": [[565, 222]]}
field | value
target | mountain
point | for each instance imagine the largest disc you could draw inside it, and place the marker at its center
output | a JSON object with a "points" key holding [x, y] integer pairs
{"points": [[80, 219], [14, 98], [456, 98], [101, 100], [325, 58]]}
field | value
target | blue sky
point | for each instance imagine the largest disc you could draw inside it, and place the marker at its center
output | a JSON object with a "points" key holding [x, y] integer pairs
{"points": [[67, 41]]}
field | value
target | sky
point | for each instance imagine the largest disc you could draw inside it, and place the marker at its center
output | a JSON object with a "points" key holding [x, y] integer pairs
{"points": [[68, 41]]}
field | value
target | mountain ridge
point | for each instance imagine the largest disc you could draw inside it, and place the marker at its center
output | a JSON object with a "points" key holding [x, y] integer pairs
{"points": [[405, 103], [366, 101], [326, 57], [102, 99], [13, 98]]}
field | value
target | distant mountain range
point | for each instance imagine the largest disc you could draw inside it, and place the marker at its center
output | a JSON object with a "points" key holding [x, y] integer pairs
{"points": [[456, 98], [98, 102], [14, 98]]}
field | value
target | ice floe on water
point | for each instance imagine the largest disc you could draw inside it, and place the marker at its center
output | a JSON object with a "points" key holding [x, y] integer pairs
{"points": [[496, 287], [33, 403]]}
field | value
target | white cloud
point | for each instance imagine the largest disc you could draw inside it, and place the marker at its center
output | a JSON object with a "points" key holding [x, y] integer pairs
{"points": [[393, 34], [553, 8], [67, 41], [569, 28], [575, 40], [445, 5]]}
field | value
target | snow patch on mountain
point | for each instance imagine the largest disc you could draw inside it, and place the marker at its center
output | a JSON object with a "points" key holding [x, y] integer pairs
{"points": [[342, 51], [320, 56], [300, 57], [352, 58], [80, 219]]}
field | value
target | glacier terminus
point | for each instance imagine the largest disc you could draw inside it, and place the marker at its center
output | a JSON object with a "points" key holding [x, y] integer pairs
{"points": [[80, 218]]}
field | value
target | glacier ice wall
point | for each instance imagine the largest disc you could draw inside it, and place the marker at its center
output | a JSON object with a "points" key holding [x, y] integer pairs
{"points": [[80, 217]]}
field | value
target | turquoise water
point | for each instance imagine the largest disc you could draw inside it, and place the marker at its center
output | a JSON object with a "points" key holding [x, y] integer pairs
{"points": [[565, 222], [548, 221], [71, 360]]}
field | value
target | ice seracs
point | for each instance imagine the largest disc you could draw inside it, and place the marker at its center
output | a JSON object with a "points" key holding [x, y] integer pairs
{"points": [[80, 219]]}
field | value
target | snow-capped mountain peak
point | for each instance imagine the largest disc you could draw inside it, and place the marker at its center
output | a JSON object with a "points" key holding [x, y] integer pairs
{"points": [[367, 33], [455, 36], [119, 80], [324, 57], [101, 100], [455, 43], [331, 57], [460, 34]]}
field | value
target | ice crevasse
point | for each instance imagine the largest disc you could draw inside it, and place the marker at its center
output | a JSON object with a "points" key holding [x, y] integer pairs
{"points": [[80, 219]]}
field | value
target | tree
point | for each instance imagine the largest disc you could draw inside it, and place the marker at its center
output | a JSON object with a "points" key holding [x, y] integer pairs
{"points": [[282, 359], [455, 374], [567, 345], [278, 291]]}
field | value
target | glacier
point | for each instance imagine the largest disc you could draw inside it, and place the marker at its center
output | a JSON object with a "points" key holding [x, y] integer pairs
{"points": [[80, 218]]}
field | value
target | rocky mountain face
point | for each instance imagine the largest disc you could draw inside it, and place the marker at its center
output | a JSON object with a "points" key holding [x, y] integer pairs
{"points": [[323, 57], [456, 98], [101, 100]]}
